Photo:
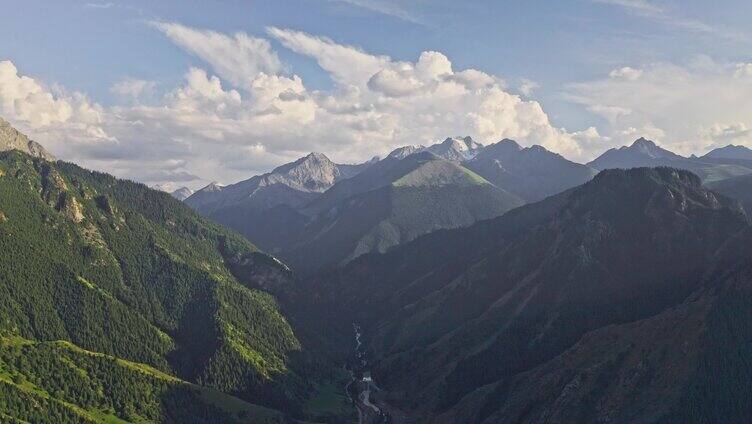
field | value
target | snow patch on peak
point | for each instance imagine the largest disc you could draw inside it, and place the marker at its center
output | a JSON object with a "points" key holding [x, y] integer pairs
{"points": [[456, 149]]}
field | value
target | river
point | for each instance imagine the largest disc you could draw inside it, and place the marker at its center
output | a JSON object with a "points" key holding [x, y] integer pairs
{"points": [[362, 385]]}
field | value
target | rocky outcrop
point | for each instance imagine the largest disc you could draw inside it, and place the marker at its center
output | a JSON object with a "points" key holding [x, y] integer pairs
{"points": [[11, 138]]}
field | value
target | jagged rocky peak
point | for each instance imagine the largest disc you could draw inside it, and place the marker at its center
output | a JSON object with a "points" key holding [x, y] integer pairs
{"points": [[405, 151], [12, 139], [212, 187], [647, 146], [456, 149], [314, 172], [650, 149], [461, 144], [310, 160]]}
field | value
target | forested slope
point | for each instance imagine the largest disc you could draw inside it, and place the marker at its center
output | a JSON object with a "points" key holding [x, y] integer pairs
{"points": [[116, 268]]}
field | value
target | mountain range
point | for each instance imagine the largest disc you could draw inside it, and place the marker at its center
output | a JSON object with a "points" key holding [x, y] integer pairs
{"points": [[714, 166], [585, 307], [317, 214], [334, 216], [454, 283], [389, 203], [532, 173]]}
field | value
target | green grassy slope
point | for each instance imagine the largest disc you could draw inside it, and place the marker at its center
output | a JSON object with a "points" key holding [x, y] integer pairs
{"points": [[59, 382]]}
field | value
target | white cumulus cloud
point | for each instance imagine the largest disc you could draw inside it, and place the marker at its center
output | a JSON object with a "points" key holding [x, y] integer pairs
{"points": [[237, 58], [247, 113], [688, 108]]}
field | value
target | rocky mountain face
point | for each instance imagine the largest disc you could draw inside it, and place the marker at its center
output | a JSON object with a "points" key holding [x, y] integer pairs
{"points": [[264, 207], [12, 139], [562, 310], [182, 193], [315, 213], [532, 173], [290, 184], [405, 151], [456, 149]]}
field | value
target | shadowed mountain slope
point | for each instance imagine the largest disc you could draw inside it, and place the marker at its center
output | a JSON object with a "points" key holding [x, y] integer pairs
{"points": [[392, 202], [455, 315], [730, 152], [533, 173]]}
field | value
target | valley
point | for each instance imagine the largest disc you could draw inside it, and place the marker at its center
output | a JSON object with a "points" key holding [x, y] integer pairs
{"points": [[471, 303], [376, 212]]}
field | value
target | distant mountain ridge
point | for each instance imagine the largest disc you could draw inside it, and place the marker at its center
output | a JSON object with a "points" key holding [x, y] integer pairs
{"points": [[339, 212], [646, 153], [265, 207], [454, 149], [533, 173], [298, 216], [290, 184], [391, 202], [642, 152], [386, 203], [316, 215], [730, 152]]}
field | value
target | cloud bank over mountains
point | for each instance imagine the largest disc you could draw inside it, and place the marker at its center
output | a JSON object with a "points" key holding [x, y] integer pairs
{"points": [[247, 111], [690, 108]]}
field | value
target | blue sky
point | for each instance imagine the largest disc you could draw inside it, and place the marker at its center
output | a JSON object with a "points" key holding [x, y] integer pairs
{"points": [[600, 71]]}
